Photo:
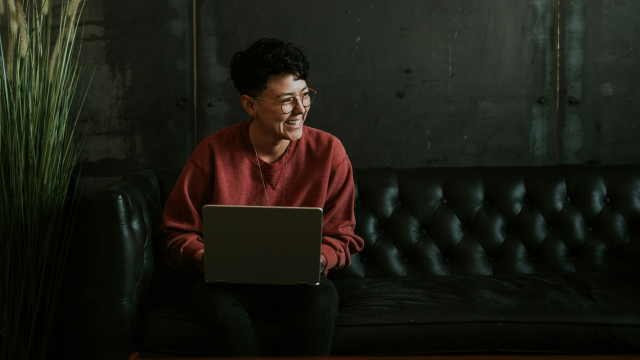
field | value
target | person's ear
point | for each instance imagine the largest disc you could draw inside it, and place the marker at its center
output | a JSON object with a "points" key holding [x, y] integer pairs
{"points": [[249, 105]]}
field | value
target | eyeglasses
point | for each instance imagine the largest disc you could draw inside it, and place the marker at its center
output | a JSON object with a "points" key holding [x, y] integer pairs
{"points": [[290, 103]]}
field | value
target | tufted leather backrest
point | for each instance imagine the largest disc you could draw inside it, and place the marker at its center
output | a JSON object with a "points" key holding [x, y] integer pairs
{"points": [[494, 221], [429, 221]]}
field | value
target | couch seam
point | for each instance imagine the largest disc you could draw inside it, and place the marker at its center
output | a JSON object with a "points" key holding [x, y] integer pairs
{"points": [[496, 322]]}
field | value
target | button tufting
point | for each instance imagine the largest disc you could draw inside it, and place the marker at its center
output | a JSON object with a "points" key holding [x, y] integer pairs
{"points": [[573, 258], [446, 260], [398, 202], [424, 231], [486, 202], [526, 200], [568, 199], [405, 259], [363, 260], [465, 230], [589, 228], [509, 230], [607, 199], [532, 258], [444, 201], [491, 259], [550, 228], [381, 231]]}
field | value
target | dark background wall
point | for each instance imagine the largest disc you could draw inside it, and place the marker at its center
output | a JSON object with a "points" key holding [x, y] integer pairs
{"points": [[447, 83], [599, 109], [405, 84], [139, 108]]}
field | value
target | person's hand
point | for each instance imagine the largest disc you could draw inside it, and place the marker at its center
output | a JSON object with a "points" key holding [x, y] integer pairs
{"points": [[199, 259], [323, 263]]}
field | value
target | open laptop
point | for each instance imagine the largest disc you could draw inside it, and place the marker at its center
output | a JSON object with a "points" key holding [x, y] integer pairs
{"points": [[262, 245]]}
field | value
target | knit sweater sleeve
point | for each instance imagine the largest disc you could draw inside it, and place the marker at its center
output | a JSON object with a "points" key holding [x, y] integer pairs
{"points": [[182, 217], [339, 240]]}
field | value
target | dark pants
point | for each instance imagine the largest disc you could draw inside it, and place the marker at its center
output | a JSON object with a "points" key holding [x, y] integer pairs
{"points": [[229, 312]]}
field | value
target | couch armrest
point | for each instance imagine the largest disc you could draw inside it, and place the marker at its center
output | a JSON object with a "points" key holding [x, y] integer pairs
{"points": [[130, 215]]}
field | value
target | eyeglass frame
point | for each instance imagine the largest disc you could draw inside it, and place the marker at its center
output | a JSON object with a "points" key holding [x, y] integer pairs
{"points": [[291, 97]]}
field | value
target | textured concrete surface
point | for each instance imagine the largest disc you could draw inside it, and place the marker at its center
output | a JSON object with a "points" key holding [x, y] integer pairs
{"points": [[139, 107], [599, 112], [407, 84]]}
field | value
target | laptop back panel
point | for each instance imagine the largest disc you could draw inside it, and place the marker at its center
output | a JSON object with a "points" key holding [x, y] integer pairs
{"points": [[262, 245]]}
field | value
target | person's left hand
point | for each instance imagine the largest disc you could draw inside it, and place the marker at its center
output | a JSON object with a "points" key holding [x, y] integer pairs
{"points": [[199, 259]]}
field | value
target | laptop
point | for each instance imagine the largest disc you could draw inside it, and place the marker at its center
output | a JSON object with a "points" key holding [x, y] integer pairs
{"points": [[262, 245]]}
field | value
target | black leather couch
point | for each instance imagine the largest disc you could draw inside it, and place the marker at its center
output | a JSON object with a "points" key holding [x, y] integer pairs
{"points": [[522, 259]]}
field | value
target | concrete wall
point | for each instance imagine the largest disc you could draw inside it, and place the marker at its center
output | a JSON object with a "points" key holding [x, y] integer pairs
{"points": [[405, 84], [139, 108], [599, 107]]}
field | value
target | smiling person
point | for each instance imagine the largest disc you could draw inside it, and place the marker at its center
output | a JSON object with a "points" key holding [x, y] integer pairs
{"points": [[273, 159]]}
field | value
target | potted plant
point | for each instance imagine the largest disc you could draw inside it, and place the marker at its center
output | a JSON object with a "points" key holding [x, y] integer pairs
{"points": [[38, 153]]}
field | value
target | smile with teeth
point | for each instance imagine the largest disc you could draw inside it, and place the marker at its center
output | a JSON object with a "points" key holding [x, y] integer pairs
{"points": [[293, 122]]}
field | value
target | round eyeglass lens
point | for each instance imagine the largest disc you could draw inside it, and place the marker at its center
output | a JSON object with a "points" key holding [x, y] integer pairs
{"points": [[307, 98], [288, 106]]}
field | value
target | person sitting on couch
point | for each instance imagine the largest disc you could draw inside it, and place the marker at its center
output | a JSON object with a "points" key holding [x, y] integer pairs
{"points": [[248, 164]]}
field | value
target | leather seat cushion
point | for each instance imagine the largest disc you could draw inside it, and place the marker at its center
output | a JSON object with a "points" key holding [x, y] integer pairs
{"points": [[550, 312], [413, 315]]}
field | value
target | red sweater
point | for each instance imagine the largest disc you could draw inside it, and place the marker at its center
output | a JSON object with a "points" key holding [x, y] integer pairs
{"points": [[223, 170]]}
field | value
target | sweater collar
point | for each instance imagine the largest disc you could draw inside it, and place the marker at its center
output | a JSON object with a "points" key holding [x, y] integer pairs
{"points": [[272, 172]]}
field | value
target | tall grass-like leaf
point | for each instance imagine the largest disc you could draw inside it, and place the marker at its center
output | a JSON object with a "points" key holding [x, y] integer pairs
{"points": [[22, 24], [11, 5], [73, 7], [37, 158], [13, 37]]}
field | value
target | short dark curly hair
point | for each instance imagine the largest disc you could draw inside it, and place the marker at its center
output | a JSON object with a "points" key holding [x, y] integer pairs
{"points": [[252, 68]]}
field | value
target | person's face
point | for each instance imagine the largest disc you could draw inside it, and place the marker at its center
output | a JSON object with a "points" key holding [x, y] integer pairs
{"points": [[278, 125]]}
